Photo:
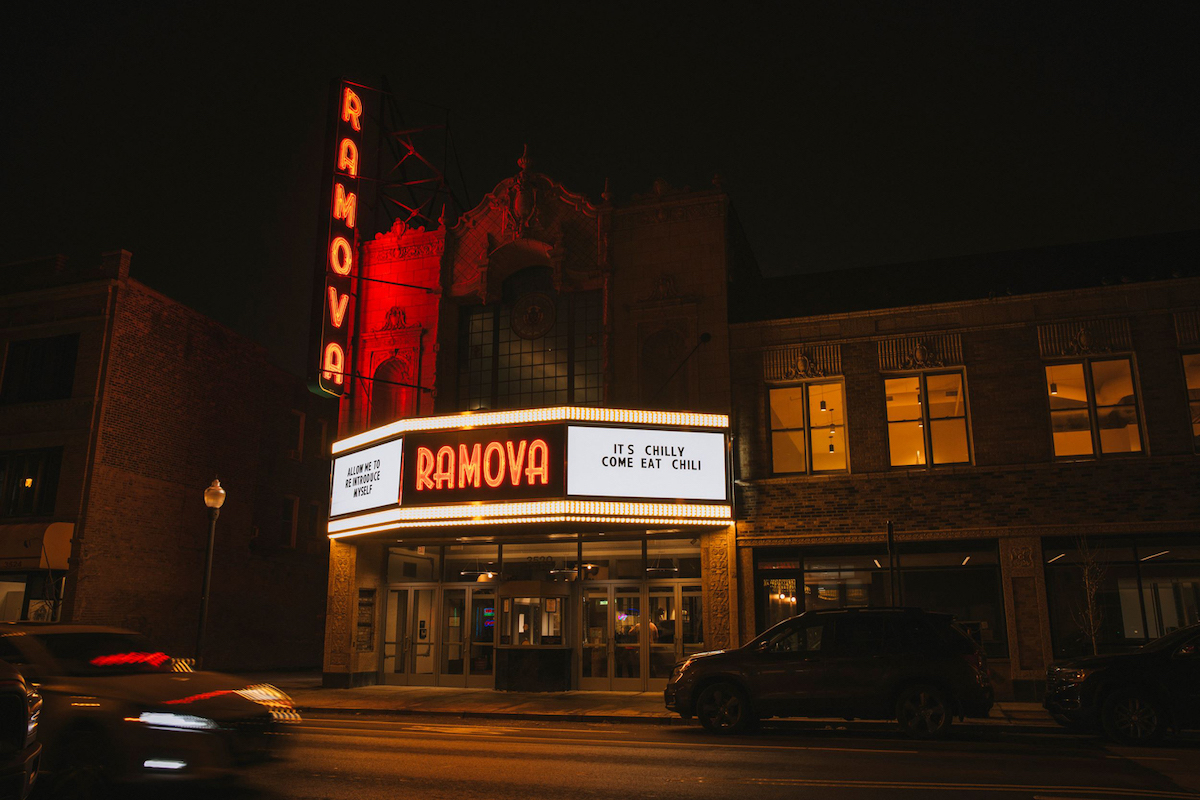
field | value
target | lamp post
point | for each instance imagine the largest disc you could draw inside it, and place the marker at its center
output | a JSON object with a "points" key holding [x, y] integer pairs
{"points": [[214, 498]]}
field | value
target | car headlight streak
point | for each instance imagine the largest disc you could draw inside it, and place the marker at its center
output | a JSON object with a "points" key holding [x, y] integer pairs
{"points": [[182, 722]]}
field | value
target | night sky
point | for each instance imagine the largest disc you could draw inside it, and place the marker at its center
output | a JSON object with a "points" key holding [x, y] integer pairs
{"points": [[846, 134]]}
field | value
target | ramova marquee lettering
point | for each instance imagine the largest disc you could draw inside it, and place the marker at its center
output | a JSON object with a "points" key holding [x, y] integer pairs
{"points": [[456, 466], [337, 259], [507, 463]]}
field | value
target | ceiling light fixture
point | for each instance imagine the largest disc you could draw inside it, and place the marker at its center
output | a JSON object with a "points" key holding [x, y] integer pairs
{"points": [[1155, 555], [1053, 388]]}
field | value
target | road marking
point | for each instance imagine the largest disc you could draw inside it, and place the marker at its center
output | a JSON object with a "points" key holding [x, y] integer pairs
{"points": [[970, 787], [631, 742]]}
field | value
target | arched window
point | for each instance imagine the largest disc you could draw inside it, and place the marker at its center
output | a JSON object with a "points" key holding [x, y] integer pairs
{"points": [[390, 402]]}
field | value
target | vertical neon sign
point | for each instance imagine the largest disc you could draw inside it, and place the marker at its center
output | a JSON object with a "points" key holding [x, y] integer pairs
{"points": [[339, 251]]}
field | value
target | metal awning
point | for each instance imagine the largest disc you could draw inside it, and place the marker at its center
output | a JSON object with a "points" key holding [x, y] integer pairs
{"points": [[36, 545]]}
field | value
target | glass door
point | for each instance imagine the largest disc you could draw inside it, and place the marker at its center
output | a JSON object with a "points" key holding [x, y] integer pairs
{"points": [[662, 632], [454, 638], [629, 632], [482, 642], [422, 637], [595, 654], [394, 669], [691, 622]]}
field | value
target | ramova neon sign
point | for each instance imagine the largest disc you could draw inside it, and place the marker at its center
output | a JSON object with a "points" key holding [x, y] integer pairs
{"points": [[610, 467], [337, 257]]}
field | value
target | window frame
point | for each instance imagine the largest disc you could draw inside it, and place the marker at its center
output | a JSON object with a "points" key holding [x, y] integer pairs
{"points": [[1187, 398], [295, 449], [1086, 362], [926, 425], [807, 423], [288, 539]]}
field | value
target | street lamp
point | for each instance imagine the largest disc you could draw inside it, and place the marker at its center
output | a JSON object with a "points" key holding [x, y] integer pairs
{"points": [[214, 498]]}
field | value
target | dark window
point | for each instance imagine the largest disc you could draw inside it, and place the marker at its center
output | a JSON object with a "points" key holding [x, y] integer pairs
{"points": [[39, 369], [103, 653], [1146, 587], [500, 368], [294, 437], [11, 653], [289, 512], [29, 482]]}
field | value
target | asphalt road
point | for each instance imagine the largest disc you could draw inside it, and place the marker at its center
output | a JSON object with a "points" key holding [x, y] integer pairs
{"points": [[364, 758]]}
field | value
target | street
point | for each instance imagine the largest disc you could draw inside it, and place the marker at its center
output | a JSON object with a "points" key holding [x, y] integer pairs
{"points": [[429, 757]]}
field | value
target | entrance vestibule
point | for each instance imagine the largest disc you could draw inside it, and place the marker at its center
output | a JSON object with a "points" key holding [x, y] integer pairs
{"points": [[606, 614]]}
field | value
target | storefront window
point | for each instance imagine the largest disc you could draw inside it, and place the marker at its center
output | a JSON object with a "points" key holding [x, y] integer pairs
{"points": [[1146, 588], [959, 578], [543, 561], [473, 563], [605, 560], [414, 564], [672, 558]]}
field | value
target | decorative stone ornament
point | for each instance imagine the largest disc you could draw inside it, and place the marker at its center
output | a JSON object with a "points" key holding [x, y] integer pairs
{"points": [[533, 315]]}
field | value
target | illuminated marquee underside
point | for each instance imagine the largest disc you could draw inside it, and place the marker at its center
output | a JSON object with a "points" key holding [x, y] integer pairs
{"points": [[545, 512], [557, 414]]}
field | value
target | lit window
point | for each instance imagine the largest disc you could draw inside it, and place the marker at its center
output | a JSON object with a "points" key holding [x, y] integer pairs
{"points": [[1191, 371], [808, 428], [1093, 405], [927, 414]]}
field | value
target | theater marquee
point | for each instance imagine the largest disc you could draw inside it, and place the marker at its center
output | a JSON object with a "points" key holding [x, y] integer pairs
{"points": [[579, 466]]}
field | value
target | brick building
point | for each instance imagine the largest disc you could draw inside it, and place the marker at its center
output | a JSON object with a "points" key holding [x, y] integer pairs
{"points": [[538, 297], [118, 405], [1008, 414]]}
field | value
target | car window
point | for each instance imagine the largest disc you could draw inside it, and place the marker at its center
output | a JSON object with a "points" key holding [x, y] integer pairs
{"points": [[860, 635], [904, 633], [104, 653], [800, 639]]}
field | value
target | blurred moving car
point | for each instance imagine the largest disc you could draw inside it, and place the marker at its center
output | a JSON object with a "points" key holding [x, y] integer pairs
{"points": [[918, 668], [20, 707], [116, 709], [1133, 697]]}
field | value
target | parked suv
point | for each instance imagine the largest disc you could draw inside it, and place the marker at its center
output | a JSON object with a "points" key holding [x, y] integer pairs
{"points": [[1133, 697], [918, 668]]}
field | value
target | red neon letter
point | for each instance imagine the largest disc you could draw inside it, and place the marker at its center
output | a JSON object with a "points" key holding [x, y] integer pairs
{"points": [[493, 479], [352, 109], [424, 468], [341, 257], [344, 204], [348, 158], [337, 307], [444, 473], [335, 360], [515, 461], [468, 466], [538, 467]]}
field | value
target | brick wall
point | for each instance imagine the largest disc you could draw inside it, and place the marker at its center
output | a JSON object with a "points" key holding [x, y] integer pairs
{"points": [[186, 399]]}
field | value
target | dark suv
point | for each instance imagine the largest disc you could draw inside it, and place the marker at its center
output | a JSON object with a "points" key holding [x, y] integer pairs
{"points": [[918, 668], [1134, 697]]}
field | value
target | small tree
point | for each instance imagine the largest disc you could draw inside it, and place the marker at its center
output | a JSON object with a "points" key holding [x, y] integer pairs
{"points": [[1092, 571]]}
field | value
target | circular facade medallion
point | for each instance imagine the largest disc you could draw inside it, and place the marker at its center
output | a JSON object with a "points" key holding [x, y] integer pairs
{"points": [[533, 315]]}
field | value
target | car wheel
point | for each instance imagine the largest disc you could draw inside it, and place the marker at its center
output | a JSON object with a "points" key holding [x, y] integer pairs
{"points": [[724, 708], [1133, 716], [923, 711]]}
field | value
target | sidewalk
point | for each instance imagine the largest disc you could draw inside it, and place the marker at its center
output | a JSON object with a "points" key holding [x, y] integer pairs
{"points": [[624, 707]]}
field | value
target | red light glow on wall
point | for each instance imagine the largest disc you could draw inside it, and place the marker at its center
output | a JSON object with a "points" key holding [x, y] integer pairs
{"points": [[338, 257]]}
